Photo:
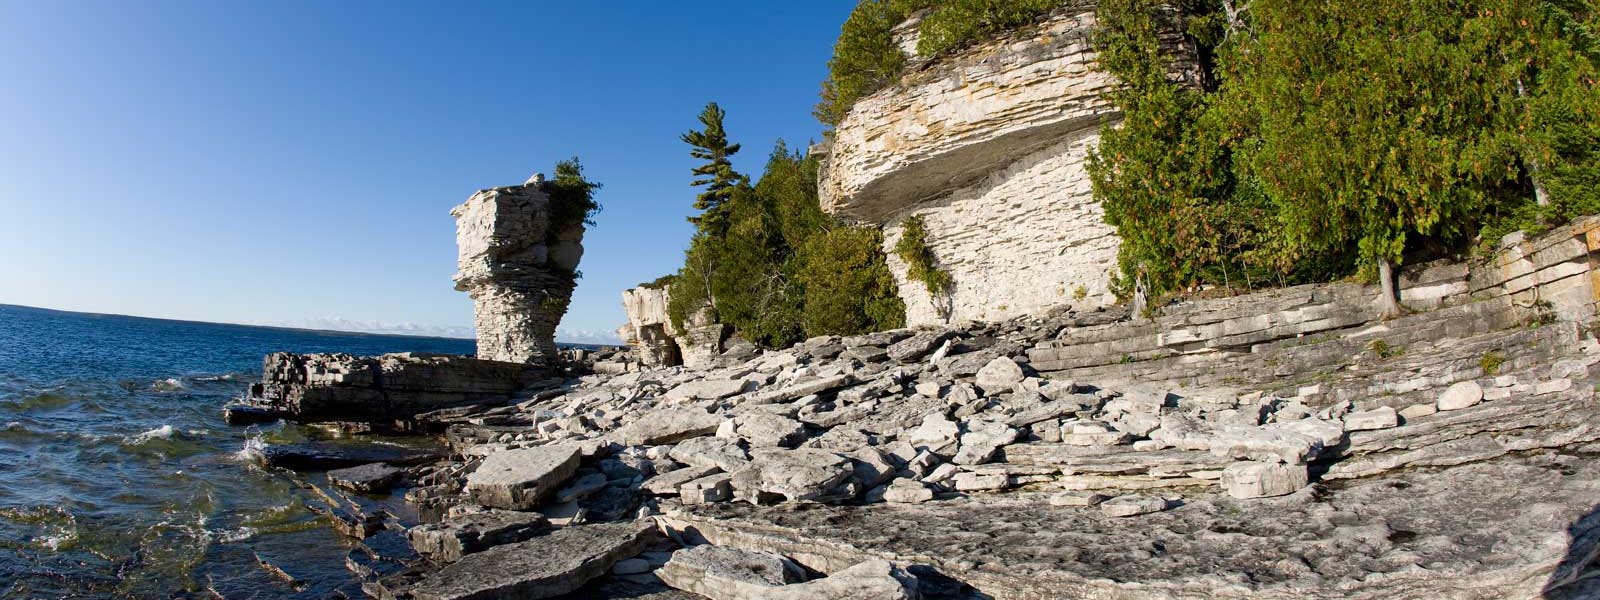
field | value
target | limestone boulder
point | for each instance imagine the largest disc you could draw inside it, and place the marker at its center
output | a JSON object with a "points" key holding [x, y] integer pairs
{"points": [[1463, 394], [522, 479], [874, 579], [669, 425], [720, 573], [543, 567], [449, 540], [801, 474], [1263, 479], [999, 375], [368, 478], [981, 440]]}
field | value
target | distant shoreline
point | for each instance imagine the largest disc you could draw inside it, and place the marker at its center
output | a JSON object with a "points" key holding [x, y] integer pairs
{"points": [[272, 327]]}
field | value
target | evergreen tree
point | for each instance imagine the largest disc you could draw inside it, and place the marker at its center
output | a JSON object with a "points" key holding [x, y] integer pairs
{"points": [[721, 182], [1377, 122]]}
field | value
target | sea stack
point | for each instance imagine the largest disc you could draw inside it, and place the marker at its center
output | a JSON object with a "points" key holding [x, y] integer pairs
{"points": [[519, 265]]}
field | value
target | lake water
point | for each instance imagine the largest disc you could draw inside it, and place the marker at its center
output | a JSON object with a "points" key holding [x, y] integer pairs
{"points": [[119, 479]]}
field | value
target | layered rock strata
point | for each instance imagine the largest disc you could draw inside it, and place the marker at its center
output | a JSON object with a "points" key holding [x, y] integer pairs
{"points": [[657, 342], [383, 389], [519, 266], [989, 147]]}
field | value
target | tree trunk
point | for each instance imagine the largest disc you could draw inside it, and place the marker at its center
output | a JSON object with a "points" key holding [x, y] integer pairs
{"points": [[1389, 300], [1540, 194]]}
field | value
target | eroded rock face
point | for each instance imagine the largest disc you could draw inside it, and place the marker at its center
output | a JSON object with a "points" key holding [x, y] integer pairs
{"points": [[518, 266], [649, 330], [989, 146], [657, 342], [341, 387]]}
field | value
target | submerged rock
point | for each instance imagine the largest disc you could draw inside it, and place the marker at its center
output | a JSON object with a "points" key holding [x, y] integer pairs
{"points": [[318, 456]]}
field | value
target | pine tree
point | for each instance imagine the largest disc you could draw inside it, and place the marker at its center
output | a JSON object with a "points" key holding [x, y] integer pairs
{"points": [[721, 182]]}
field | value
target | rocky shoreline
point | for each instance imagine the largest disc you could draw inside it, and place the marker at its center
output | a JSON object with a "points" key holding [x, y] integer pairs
{"points": [[939, 463]]}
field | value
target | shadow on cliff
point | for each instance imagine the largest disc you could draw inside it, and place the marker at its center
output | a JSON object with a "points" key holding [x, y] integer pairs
{"points": [[1577, 577]]}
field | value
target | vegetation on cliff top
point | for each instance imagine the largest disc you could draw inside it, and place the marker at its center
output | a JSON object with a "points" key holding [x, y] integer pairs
{"points": [[866, 58], [767, 261], [1342, 137]]}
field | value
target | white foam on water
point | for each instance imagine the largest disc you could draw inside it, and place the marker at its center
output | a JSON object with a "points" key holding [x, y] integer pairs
{"points": [[170, 384], [252, 451], [164, 432]]}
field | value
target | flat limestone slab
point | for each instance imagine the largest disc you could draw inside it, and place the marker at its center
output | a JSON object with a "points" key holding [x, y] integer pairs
{"points": [[543, 567], [1503, 528], [521, 479]]}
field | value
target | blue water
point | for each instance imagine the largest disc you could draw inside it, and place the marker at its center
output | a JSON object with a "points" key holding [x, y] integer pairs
{"points": [[118, 477]]}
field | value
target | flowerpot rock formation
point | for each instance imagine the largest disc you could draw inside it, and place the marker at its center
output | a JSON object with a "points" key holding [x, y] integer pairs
{"points": [[520, 268]]}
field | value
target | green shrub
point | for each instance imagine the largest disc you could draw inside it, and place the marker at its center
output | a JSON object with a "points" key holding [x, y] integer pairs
{"points": [[866, 59], [1491, 362], [912, 248], [848, 286], [953, 24], [571, 196]]}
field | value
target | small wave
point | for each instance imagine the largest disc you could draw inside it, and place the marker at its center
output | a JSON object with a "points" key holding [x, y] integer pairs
{"points": [[170, 384], [253, 451], [164, 432], [225, 377]]}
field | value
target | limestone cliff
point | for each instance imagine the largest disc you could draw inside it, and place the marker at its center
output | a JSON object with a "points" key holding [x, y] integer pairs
{"points": [[519, 268], [989, 147], [656, 342]]}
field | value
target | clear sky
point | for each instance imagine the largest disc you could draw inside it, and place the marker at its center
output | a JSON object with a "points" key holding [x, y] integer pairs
{"points": [[294, 162]]}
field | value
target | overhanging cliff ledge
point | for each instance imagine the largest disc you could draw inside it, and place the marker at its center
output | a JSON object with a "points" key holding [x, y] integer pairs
{"points": [[988, 146]]}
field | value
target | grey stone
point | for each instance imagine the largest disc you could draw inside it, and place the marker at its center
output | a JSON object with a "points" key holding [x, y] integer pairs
{"points": [[582, 487], [669, 425], [1076, 499], [1418, 410], [907, 491], [669, 482], [511, 258], [1382, 417], [979, 482], [707, 389], [916, 346], [448, 541], [382, 389], [631, 566], [1462, 394], [542, 567], [874, 579], [521, 479], [368, 478], [769, 431], [981, 440], [936, 434], [705, 490], [801, 474], [721, 573], [1261, 479], [999, 375], [709, 451], [1129, 506]]}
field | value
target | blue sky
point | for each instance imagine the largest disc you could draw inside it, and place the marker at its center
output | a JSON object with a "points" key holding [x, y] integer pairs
{"points": [[294, 162]]}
